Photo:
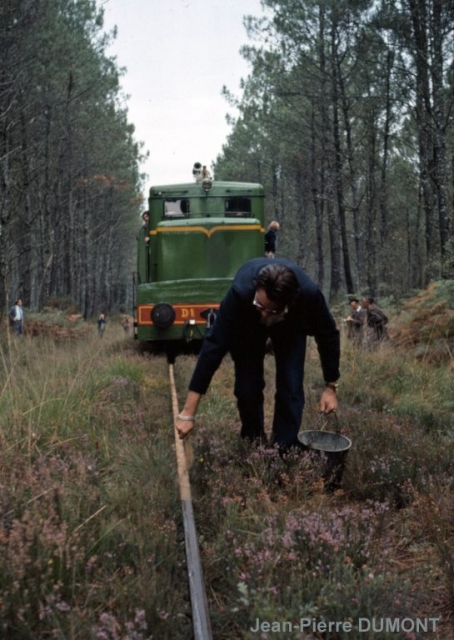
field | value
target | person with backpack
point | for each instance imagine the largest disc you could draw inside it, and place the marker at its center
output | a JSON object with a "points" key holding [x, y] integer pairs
{"points": [[376, 321]]}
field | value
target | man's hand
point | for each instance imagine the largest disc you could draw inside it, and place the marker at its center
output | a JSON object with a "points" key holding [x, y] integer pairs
{"points": [[328, 401], [184, 427], [184, 422]]}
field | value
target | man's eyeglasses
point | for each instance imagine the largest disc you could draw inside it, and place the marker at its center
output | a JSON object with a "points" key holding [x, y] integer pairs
{"points": [[272, 311]]}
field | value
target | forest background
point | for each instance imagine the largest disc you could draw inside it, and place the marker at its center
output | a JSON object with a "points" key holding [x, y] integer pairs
{"points": [[345, 118]]}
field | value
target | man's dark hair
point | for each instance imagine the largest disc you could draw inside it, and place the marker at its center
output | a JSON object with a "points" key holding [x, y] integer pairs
{"points": [[353, 300], [279, 282]]}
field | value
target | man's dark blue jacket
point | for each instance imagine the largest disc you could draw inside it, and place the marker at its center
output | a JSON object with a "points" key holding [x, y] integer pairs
{"points": [[238, 328]]}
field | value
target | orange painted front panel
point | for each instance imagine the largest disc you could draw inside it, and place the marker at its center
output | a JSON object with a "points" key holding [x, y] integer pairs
{"points": [[184, 313]]}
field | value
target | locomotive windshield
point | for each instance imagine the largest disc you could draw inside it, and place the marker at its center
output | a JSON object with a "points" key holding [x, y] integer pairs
{"points": [[176, 208], [237, 207], [231, 207]]}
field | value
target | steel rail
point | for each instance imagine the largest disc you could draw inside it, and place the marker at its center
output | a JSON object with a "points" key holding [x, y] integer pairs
{"points": [[199, 604]]}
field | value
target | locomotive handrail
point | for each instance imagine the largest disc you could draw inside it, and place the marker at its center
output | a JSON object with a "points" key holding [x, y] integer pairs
{"points": [[200, 617], [135, 281]]}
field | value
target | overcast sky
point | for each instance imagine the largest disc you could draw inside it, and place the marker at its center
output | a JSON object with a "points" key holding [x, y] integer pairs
{"points": [[178, 55]]}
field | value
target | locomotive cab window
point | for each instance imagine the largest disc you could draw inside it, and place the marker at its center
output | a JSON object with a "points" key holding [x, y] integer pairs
{"points": [[176, 208], [237, 207]]}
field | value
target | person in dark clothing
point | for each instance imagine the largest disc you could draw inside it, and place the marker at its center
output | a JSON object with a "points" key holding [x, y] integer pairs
{"points": [[376, 321], [101, 324], [355, 321], [274, 300], [16, 318], [270, 239]]}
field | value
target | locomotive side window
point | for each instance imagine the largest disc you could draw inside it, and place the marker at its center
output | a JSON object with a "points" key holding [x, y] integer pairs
{"points": [[237, 207], [176, 208]]}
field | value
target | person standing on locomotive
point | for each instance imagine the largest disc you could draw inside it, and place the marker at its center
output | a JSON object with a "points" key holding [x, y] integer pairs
{"points": [[270, 239], [275, 300]]}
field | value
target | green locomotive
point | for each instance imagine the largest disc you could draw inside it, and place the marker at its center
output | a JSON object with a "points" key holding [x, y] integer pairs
{"points": [[197, 236]]}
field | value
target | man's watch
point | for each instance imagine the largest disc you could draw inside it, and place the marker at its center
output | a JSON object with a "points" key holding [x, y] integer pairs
{"points": [[332, 385]]}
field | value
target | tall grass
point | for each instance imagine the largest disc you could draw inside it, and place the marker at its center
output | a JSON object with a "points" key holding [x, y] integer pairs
{"points": [[91, 537], [88, 525]]}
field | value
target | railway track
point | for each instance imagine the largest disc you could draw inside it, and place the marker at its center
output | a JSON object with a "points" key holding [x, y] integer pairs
{"points": [[199, 604]]}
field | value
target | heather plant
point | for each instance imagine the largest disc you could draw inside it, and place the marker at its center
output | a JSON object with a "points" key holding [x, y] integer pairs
{"points": [[91, 536], [272, 553], [278, 547], [81, 553]]}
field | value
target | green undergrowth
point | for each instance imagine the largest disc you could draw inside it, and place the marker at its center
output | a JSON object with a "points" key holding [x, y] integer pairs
{"points": [[91, 529], [90, 545]]}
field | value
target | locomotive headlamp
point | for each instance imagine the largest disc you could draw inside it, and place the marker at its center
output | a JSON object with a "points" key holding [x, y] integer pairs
{"points": [[163, 315], [207, 184]]}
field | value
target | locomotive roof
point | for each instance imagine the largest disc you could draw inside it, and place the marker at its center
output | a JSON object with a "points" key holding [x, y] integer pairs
{"points": [[218, 188]]}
